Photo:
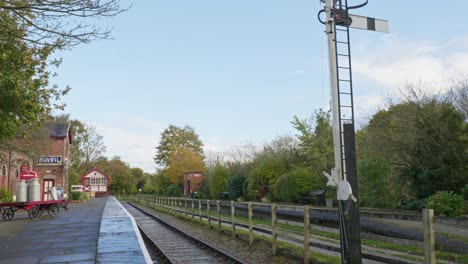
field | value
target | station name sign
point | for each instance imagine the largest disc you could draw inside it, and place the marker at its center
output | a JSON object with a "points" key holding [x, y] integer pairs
{"points": [[49, 160]]}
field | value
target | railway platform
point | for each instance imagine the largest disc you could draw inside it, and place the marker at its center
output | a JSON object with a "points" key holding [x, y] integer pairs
{"points": [[97, 231]]}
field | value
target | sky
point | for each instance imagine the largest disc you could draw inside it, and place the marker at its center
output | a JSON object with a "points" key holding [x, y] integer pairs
{"points": [[239, 71]]}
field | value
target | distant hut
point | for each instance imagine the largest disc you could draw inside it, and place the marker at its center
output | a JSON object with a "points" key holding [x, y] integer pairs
{"points": [[193, 182], [96, 183]]}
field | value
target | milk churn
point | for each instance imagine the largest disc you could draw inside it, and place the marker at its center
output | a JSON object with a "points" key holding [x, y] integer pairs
{"points": [[53, 193], [21, 191], [34, 190]]}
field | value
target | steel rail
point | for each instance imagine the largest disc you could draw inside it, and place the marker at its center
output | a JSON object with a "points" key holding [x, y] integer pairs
{"points": [[229, 258]]}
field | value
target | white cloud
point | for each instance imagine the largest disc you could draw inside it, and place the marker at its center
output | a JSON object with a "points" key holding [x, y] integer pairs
{"points": [[401, 61]]}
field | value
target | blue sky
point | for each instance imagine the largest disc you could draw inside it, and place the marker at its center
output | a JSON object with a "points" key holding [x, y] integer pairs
{"points": [[238, 71]]}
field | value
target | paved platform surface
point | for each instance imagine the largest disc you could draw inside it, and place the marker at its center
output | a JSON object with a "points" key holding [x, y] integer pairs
{"points": [[71, 237], [118, 241]]}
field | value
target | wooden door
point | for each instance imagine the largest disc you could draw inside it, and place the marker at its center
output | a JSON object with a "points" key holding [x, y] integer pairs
{"points": [[48, 184]]}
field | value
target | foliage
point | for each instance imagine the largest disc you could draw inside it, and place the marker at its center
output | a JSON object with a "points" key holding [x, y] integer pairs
{"points": [[316, 141], [5, 196], [74, 196], [424, 139], [415, 205], [84, 196], [174, 190], [218, 180], [25, 93], [175, 138], [182, 160], [87, 146], [377, 186], [58, 24], [121, 178], [464, 192], [295, 183], [85, 151], [161, 183], [446, 203], [267, 170], [235, 184]]}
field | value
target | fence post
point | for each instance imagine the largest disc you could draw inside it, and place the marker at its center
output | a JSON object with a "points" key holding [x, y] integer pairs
{"points": [[251, 234], [208, 212], [199, 211], [306, 234], [274, 230], [429, 237], [233, 216], [218, 213], [193, 210]]}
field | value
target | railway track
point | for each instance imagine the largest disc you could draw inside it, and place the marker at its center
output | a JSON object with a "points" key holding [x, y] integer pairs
{"points": [[173, 245]]}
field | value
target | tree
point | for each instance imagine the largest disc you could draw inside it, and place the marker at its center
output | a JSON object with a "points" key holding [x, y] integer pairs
{"points": [[25, 93], [161, 183], [173, 138], [218, 180], [30, 31], [182, 160], [316, 141], [58, 24], [121, 179], [86, 150], [267, 170], [290, 186], [87, 145], [424, 139]]}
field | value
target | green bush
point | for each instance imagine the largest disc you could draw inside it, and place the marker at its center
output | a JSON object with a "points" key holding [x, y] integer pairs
{"points": [[174, 190], [5, 196], [235, 184], [218, 181], [75, 196], [294, 184], [464, 192], [415, 205], [83, 196], [446, 204]]}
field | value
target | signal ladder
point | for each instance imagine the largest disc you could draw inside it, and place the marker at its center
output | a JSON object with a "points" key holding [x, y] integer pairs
{"points": [[343, 71]]}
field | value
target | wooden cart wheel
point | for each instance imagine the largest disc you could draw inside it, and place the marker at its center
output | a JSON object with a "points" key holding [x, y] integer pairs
{"points": [[40, 209], [35, 212], [8, 214], [53, 210]]}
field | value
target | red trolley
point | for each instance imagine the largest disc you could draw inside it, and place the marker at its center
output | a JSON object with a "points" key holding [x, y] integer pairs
{"points": [[34, 208]]}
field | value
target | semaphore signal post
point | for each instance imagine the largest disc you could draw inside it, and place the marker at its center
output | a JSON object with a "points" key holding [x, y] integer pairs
{"points": [[344, 174]]}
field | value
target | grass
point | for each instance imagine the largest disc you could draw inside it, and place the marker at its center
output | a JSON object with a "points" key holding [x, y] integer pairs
{"points": [[332, 237]]}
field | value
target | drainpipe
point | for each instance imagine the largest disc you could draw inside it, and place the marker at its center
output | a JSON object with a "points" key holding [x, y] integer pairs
{"points": [[9, 170]]}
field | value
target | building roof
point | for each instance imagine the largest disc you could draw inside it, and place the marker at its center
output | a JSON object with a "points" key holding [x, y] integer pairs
{"points": [[95, 170], [59, 130]]}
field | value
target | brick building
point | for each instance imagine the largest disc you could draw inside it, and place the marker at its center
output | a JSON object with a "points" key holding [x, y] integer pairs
{"points": [[48, 157], [52, 162], [193, 182], [11, 164]]}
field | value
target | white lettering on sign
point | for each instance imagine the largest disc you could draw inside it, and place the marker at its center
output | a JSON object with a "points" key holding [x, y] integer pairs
{"points": [[50, 159]]}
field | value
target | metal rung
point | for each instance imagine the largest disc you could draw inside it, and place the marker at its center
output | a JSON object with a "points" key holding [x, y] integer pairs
{"points": [[340, 54], [346, 93], [339, 29], [341, 67], [341, 80], [342, 42], [348, 106]]}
